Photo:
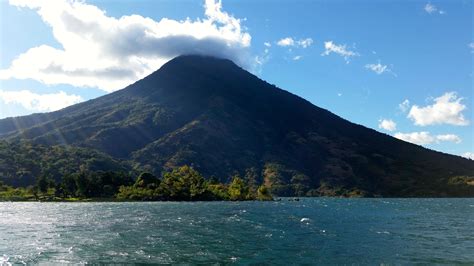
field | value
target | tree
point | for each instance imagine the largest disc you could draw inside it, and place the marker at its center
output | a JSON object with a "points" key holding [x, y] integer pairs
{"points": [[183, 183], [170, 187], [263, 193], [301, 184], [68, 184], [238, 189], [217, 191], [43, 183], [147, 180], [252, 178], [82, 184]]}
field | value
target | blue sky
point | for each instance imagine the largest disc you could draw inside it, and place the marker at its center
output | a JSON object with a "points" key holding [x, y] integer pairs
{"points": [[358, 59]]}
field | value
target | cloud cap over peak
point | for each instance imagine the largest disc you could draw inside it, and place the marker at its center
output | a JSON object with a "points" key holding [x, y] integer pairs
{"points": [[109, 53]]}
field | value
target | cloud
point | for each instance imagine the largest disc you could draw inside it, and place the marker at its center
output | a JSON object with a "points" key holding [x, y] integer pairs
{"points": [[290, 42], [109, 53], [468, 155], [419, 138], [39, 102], [331, 47], [423, 138], [262, 59], [379, 68], [296, 58], [471, 45], [404, 106], [305, 43], [432, 9], [429, 8], [286, 42], [387, 124], [447, 109], [267, 44], [449, 137]]}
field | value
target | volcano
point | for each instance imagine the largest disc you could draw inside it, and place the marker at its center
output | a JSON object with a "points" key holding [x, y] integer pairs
{"points": [[222, 120]]}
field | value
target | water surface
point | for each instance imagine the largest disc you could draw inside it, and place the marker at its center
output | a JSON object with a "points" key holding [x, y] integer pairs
{"points": [[336, 231]]}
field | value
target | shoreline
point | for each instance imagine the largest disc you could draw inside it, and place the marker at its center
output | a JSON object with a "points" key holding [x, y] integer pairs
{"points": [[276, 199]]}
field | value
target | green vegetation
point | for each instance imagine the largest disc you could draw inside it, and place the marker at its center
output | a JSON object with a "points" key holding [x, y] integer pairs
{"points": [[15, 194], [186, 184], [181, 184], [23, 162]]}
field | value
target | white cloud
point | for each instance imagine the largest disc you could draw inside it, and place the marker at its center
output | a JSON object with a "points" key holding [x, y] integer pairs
{"points": [[468, 155], [423, 138], [471, 45], [331, 47], [419, 138], [39, 102], [404, 106], [267, 44], [379, 68], [296, 58], [109, 53], [449, 137], [290, 42], [305, 43], [447, 109], [387, 124], [429, 8], [432, 9], [286, 42]]}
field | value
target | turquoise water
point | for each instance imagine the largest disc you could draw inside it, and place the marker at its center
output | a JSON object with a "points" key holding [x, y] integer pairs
{"points": [[335, 231]]}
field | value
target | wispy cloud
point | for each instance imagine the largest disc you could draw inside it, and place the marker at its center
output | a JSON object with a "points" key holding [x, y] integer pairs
{"points": [[342, 50], [39, 102], [296, 58], [379, 68], [471, 45], [424, 138], [449, 137], [263, 58], [432, 9], [290, 42], [446, 109], [404, 106], [109, 53], [305, 43]]}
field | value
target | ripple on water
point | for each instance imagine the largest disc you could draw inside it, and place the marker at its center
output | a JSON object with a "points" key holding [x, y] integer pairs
{"points": [[321, 231]]}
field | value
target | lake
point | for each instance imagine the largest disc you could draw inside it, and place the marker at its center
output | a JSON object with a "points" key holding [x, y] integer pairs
{"points": [[309, 231]]}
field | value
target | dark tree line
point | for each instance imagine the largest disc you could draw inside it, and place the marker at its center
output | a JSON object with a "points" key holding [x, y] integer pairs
{"points": [[181, 184]]}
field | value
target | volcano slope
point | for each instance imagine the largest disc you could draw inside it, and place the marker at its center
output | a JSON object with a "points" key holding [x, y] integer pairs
{"points": [[213, 115]]}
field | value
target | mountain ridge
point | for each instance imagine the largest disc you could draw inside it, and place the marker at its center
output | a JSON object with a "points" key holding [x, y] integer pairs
{"points": [[212, 114]]}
